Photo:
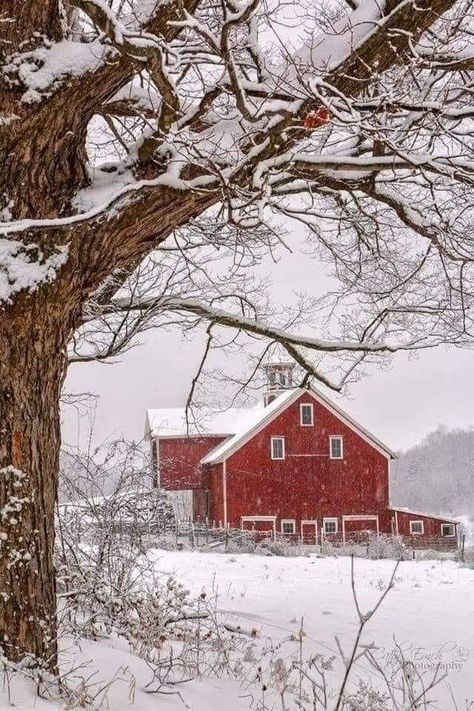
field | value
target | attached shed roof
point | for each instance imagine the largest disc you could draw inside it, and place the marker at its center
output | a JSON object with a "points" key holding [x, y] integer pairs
{"points": [[171, 422], [439, 517]]}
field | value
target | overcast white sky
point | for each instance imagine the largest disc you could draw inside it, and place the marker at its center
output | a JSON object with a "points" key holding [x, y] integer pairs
{"points": [[399, 405]]}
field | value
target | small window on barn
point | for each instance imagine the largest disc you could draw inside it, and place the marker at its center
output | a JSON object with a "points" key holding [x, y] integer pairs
{"points": [[335, 447], [306, 414], [448, 530], [278, 447], [288, 526], [330, 525], [417, 528]]}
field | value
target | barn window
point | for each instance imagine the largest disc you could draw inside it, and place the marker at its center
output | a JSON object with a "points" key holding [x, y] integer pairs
{"points": [[288, 526], [448, 530], [335, 447], [330, 525], [306, 414], [417, 528], [278, 447]]}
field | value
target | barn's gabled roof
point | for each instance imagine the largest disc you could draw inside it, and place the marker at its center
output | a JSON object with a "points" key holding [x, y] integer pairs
{"points": [[254, 420], [239, 425]]}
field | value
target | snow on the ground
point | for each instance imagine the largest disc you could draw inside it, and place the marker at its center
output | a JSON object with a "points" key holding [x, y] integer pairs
{"points": [[429, 614]]}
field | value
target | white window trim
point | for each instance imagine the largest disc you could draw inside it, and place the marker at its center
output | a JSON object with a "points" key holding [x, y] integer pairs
{"points": [[330, 520], [417, 533], [310, 405], [288, 520], [448, 535], [282, 449], [331, 438]]}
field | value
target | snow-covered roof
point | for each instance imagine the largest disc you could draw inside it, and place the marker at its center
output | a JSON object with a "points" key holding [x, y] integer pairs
{"points": [[240, 424], [171, 422], [259, 416], [402, 509], [249, 420]]}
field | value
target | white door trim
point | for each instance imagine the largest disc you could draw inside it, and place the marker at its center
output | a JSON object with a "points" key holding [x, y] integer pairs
{"points": [[310, 522]]}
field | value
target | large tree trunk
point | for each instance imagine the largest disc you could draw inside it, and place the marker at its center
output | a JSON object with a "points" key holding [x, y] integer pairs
{"points": [[34, 332], [32, 368]]}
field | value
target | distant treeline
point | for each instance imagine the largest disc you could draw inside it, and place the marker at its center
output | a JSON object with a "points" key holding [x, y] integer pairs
{"points": [[437, 475]]}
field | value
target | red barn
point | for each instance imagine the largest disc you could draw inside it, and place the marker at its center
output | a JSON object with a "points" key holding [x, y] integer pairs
{"points": [[295, 465]]}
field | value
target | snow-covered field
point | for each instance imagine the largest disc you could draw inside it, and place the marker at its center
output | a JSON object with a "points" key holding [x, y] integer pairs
{"points": [[429, 613]]}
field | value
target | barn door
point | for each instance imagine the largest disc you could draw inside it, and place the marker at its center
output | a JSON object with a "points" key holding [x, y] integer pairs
{"points": [[309, 533]]}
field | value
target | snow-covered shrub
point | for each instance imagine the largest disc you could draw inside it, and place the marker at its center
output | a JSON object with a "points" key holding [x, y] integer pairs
{"points": [[368, 699], [113, 489], [280, 547], [247, 546], [108, 534], [374, 547], [433, 554], [466, 557], [385, 546], [110, 515]]}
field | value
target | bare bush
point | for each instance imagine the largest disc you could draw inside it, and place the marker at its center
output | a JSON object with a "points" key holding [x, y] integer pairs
{"points": [[110, 522], [110, 515], [375, 546]]}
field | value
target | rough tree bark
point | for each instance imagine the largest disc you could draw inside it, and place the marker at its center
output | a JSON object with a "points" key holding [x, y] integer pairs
{"points": [[34, 333], [33, 337]]}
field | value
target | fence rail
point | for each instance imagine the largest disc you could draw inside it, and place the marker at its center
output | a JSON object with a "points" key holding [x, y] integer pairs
{"points": [[204, 534]]}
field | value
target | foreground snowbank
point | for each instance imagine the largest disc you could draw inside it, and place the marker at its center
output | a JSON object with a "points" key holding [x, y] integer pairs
{"points": [[429, 614]]}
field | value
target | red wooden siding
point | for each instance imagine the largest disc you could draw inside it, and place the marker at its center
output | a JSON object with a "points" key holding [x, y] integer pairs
{"points": [[431, 528], [307, 484], [216, 494], [179, 461]]}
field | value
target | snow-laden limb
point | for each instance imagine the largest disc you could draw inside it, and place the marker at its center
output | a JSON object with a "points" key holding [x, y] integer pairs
{"points": [[347, 34], [26, 267], [42, 70], [139, 43], [252, 325], [102, 208]]}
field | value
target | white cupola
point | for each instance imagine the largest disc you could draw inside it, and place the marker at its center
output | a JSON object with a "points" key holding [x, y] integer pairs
{"points": [[279, 377]]}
